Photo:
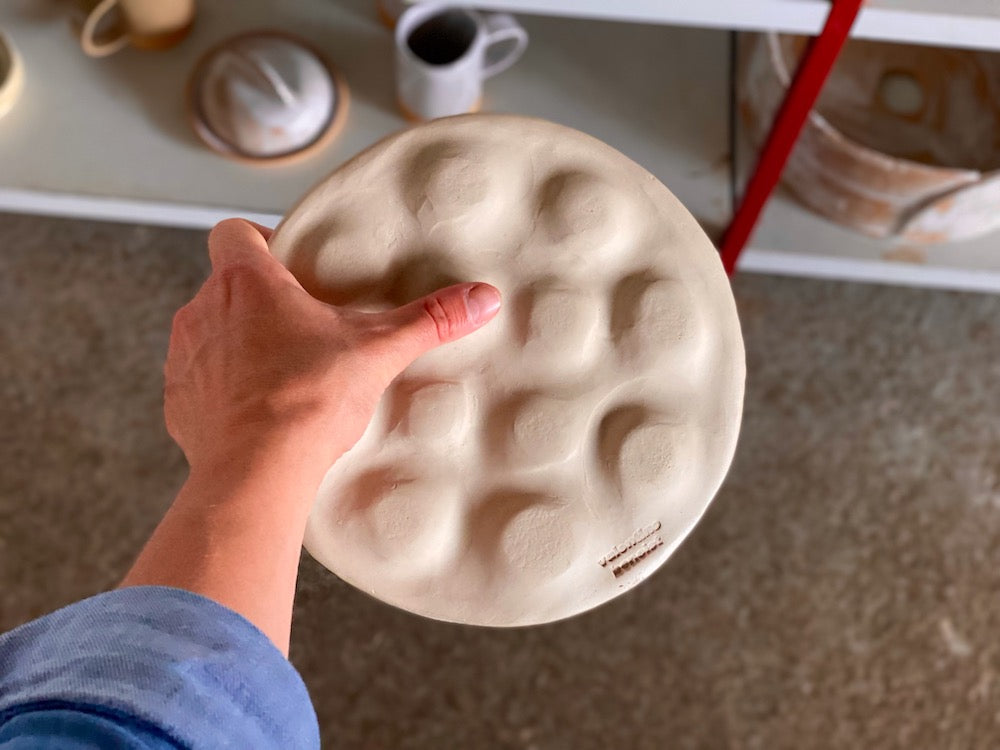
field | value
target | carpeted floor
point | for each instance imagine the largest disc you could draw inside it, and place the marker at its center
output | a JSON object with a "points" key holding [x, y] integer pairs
{"points": [[842, 592]]}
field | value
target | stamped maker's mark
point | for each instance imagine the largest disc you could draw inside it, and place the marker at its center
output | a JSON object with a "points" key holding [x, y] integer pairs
{"points": [[633, 550]]}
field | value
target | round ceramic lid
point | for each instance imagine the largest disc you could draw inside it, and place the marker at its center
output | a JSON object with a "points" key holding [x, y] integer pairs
{"points": [[556, 457], [264, 95]]}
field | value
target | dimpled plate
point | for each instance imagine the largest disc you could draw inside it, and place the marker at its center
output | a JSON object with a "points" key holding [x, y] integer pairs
{"points": [[555, 458]]}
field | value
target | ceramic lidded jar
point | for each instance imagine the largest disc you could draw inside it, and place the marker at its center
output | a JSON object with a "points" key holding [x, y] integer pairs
{"points": [[265, 96]]}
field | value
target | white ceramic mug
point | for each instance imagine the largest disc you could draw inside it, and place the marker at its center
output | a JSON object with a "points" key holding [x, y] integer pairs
{"points": [[444, 53]]}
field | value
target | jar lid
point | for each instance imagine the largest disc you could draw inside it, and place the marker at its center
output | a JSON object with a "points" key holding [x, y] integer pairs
{"points": [[265, 96]]}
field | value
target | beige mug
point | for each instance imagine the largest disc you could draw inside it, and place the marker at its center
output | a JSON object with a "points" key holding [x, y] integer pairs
{"points": [[11, 74], [146, 24]]}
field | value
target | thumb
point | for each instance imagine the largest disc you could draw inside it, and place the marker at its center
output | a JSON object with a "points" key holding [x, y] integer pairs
{"points": [[235, 241], [446, 315]]}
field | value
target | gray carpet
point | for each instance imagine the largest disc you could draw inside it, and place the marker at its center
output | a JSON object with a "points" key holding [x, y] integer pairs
{"points": [[842, 592]]}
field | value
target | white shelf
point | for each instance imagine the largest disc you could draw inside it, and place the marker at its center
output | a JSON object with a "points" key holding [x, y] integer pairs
{"points": [[792, 241], [108, 138], [949, 23]]}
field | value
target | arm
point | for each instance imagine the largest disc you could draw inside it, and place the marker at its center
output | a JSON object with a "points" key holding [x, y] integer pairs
{"points": [[265, 388]]}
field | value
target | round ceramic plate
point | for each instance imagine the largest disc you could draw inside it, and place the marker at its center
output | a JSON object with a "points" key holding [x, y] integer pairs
{"points": [[555, 458]]}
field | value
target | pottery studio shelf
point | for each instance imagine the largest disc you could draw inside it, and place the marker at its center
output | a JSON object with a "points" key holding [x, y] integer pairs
{"points": [[108, 138], [791, 240], [947, 23]]}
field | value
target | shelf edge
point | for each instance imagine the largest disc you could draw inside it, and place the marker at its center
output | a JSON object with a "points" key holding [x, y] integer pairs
{"points": [[124, 210], [754, 260], [782, 263], [801, 17]]}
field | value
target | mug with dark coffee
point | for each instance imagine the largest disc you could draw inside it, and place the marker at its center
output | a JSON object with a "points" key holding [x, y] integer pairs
{"points": [[444, 53]]}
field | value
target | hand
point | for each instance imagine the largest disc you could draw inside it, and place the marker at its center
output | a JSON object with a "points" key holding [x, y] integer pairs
{"points": [[257, 368]]}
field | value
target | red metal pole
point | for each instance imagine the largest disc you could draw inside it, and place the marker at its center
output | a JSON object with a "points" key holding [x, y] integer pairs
{"points": [[812, 72]]}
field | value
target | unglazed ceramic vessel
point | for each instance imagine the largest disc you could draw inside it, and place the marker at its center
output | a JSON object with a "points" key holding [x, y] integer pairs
{"points": [[555, 458], [904, 140]]}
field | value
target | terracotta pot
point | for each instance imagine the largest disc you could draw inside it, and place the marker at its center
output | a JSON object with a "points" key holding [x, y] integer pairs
{"points": [[904, 140]]}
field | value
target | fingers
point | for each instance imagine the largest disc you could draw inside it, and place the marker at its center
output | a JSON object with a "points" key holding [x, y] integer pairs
{"points": [[265, 232], [236, 241], [242, 243], [438, 318]]}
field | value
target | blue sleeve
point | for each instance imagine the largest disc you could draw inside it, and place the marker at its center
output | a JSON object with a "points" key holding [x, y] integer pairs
{"points": [[149, 667]]}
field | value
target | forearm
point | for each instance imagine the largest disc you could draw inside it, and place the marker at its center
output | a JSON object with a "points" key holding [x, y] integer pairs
{"points": [[264, 387], [234, 535]]}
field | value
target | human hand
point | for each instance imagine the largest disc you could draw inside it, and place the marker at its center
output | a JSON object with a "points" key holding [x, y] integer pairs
{"points": [[257, 367]]}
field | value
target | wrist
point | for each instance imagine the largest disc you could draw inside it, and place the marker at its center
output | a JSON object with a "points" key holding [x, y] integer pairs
{"points": [[234, 533], [278, 468], [285, 458]]}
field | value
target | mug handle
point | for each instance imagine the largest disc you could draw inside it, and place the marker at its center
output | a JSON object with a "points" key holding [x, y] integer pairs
{"points": [[92, 46], [502, 28]]}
